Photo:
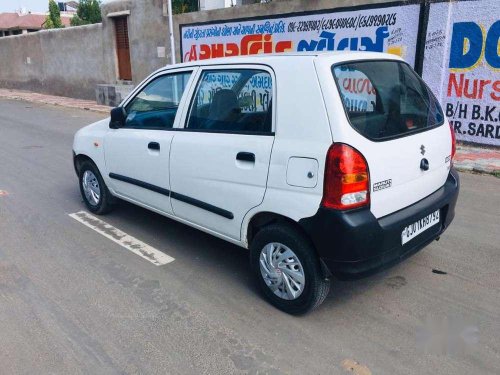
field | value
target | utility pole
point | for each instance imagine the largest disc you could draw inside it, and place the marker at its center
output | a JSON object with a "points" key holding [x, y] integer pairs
{"points": [[171, 30]]}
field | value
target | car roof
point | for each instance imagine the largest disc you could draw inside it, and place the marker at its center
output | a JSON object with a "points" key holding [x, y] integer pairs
{"points": [[280, 58]]}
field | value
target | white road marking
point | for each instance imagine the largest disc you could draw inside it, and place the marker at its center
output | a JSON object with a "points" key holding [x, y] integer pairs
{"points": [[123, 239]]}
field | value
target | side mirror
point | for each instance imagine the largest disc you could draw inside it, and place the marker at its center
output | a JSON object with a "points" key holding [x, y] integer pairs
{"points": [[118, 117]]}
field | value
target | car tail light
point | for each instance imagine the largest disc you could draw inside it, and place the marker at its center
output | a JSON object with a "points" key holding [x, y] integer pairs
{"points": [[347, 180], [453, 142]]}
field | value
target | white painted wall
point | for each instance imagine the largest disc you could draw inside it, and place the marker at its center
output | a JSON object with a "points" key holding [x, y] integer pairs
{"points": [[217, 4]]}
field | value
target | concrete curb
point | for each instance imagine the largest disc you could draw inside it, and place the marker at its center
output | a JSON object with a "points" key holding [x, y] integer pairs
{"points": [[33, 97], [477, 170]]}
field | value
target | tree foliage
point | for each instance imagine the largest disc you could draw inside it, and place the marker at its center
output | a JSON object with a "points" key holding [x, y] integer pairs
{"points": [[53, 20], [184, 6], [88, 12]]}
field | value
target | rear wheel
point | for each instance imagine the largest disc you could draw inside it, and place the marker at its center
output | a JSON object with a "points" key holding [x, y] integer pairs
{"points": [[95, 193], [287, 269]]}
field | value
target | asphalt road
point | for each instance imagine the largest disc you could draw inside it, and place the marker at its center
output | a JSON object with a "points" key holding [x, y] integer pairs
{"points": [[72, 301]]}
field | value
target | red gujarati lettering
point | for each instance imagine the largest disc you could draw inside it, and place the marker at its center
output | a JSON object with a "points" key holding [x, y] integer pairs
{"points": [[249, 45]]}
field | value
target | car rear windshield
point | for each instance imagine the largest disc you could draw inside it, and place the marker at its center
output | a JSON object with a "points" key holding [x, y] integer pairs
{"points": [[386, 99]]}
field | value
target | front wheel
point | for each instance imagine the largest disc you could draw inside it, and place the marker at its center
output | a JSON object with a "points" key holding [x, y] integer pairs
{"points": [[94, 191], [287, 269]]}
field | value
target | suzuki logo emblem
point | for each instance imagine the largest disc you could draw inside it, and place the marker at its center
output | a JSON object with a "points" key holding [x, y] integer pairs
{"points": [[422, 150]]}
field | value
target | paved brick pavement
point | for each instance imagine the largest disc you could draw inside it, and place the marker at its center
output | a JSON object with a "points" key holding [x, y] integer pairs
{"points": [[476, 159], [54, 100]]}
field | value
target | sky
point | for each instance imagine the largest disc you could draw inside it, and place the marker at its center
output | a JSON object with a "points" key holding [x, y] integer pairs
{"points": [[33, 5]]}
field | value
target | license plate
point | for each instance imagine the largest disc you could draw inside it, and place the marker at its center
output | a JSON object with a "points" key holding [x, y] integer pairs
{"points": [[413, 230]]}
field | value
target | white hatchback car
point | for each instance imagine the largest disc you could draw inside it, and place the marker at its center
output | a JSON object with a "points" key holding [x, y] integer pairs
{"points": [[324, 165]]}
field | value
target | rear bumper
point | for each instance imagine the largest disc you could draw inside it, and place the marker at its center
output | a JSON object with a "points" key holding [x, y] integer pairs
{"points": [[354, 244]]}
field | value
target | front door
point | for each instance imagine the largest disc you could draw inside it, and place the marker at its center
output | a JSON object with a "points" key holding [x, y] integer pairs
{"points": [[220, 160], [123, 49], [137, 155]]}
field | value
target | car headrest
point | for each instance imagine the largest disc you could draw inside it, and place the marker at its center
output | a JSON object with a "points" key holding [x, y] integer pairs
{"points": [[223, 106]]}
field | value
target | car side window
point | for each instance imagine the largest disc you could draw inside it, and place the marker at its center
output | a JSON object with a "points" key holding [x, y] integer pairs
{"points": [[233, 100], [156, 105]]}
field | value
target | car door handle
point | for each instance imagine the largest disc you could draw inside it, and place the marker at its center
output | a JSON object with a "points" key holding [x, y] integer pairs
{"points": [[154, 146], [246, 156]]}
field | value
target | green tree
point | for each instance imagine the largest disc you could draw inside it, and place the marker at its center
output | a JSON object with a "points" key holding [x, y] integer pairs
{"points": [[184, 6], [53, 20], [88, 11]]}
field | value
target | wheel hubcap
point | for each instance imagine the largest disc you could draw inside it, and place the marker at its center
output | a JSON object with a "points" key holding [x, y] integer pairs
{"points": [[91, 188], [282, 271]]}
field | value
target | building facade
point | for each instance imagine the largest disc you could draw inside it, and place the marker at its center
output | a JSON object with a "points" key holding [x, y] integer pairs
{"points": [[24, 22]]}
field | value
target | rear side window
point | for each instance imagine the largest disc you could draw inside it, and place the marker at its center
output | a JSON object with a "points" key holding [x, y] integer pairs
{"points": [[234, 101], [386, 99]]}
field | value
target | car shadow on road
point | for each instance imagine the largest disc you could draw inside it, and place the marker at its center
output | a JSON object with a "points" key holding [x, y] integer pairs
{"points": [[186, 242], [223, 260]]}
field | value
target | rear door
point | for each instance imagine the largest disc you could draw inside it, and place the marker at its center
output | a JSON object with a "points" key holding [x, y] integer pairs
{"points": [[394, 120], [220, 159]]}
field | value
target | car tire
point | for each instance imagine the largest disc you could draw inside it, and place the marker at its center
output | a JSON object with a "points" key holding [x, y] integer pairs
{"points": [[95, 193], [280, 239]]}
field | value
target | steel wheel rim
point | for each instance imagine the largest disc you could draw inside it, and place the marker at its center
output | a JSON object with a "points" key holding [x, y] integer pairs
{"points": [[282, 271], [91, 188]]}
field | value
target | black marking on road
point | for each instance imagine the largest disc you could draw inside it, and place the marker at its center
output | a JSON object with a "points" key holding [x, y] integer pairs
{"points": [[439, 272]]}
